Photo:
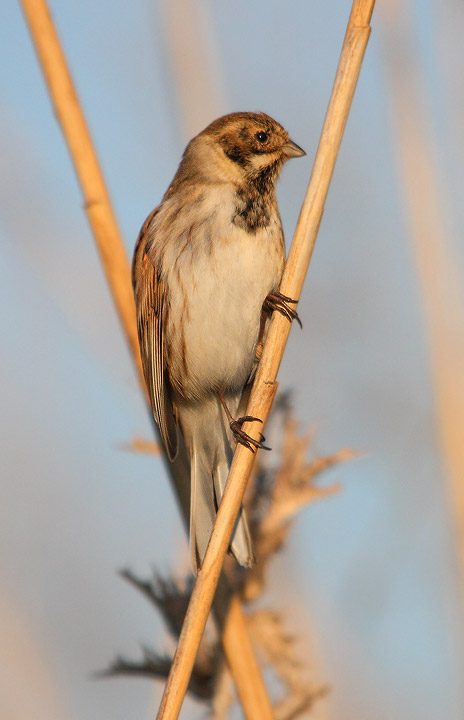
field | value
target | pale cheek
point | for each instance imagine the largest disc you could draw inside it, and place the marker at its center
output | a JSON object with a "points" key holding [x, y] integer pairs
{"points": [[261, 161]]}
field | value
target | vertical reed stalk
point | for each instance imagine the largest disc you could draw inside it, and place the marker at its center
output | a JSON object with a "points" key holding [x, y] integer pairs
{"points": [[196, 66], [437, 264]]}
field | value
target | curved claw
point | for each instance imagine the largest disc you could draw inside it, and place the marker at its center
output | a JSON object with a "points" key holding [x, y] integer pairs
{"points": [[236, 427], [243, 438], [247, 418], [277, 301], [286, 299]]}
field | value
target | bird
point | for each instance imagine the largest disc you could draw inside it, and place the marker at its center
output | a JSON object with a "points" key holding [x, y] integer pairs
{"points": [[206, 273]]}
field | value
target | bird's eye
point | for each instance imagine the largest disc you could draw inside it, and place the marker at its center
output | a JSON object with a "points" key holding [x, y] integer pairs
{"points": [[261, 136]]}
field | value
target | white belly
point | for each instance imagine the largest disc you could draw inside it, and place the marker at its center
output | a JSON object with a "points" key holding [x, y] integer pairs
{"points": [[216, 295]]}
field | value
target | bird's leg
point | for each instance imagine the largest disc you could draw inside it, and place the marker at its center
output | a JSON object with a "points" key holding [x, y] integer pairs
{"points": [[236, 427], [279, 302], [262, 326]]}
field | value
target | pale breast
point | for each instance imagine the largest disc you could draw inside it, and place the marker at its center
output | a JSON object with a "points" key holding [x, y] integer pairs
{"points": [[218, 276]]}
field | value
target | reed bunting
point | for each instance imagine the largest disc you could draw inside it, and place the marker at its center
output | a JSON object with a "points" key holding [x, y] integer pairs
{"points": [[206, 272]]}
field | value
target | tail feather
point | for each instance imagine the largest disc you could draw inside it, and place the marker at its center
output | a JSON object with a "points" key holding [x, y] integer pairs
{"points": [[202, 507], [241, 545], [208, 441]]}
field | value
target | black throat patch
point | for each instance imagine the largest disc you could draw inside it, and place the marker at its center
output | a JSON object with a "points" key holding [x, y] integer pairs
{"points": [[255, 200]]}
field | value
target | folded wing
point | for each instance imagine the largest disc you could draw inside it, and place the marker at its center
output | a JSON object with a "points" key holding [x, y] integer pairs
{"points": [[150, 296]]}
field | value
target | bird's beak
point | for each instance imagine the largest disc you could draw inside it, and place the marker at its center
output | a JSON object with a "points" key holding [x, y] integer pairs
{"points": [[291, 149]]}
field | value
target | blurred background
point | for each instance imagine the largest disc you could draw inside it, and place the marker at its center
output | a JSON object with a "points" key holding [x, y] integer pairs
{"points": [[371, 581]]}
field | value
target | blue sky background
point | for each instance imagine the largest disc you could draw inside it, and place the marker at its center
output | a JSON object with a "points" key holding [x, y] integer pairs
{"points": [[370, 574]]}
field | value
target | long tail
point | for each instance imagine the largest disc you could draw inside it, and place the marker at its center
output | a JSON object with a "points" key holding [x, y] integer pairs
{"points": [[208, 441]]}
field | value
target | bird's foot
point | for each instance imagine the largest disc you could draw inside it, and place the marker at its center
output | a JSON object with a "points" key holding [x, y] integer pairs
{"points": [[240, 436], [279, 302]]}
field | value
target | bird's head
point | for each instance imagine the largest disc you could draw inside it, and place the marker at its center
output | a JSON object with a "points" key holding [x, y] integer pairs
{"points": [[241, 147]]}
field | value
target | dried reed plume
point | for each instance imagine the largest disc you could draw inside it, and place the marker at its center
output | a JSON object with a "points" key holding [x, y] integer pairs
{"points": [[274, 498]]}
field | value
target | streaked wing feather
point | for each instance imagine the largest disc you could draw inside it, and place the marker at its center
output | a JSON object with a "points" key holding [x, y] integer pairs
{"points": [[149, 297]]}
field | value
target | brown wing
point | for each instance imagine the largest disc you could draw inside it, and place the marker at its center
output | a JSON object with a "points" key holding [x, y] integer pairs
{"points": [[149, 299]]}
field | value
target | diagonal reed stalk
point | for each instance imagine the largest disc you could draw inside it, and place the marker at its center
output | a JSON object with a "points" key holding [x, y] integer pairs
{"points": [[236, 643], [265, 385]]}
